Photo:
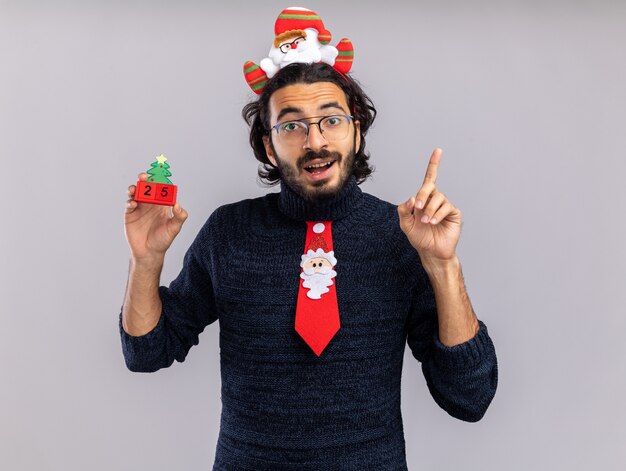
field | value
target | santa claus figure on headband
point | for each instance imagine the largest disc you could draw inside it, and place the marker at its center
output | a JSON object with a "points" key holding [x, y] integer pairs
{"points": [[297, 46], [300, 36]]}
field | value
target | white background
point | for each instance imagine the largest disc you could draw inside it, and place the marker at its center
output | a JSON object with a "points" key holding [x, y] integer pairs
{"points": [[527, 100]]}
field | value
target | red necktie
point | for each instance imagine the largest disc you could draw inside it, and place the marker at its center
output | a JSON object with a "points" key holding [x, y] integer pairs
{"points": [[317, 312]]}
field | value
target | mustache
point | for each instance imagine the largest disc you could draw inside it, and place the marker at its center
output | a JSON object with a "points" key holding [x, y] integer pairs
{"points": [[323, 154], [323, 271]]}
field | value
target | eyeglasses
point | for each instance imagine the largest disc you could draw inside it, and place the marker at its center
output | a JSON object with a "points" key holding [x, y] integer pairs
{"points": [[287, 46], [334, 128]]}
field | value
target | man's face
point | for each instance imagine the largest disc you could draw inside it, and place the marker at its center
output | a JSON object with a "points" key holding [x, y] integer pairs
{"points": [[300, 101]]}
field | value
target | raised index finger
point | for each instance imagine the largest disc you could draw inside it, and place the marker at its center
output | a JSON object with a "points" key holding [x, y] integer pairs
{"points": [[433, 166]]}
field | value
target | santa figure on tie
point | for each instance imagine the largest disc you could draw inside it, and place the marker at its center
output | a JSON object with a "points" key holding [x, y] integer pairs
{"points": [[317, 265]]}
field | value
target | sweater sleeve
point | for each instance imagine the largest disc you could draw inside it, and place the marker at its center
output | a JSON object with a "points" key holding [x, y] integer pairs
{"points": [[188, 307], [461, 379]]}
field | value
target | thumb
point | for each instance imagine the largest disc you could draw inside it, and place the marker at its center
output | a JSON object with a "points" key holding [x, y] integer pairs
{"points": [[405, 210], [179, 217]]}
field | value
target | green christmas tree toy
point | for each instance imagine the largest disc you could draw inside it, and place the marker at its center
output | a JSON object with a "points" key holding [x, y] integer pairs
{"points": [[157, 189]]}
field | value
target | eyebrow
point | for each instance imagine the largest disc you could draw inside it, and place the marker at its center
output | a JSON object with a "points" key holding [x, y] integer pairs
{"points": [[332, 104], [292, 109], [284, 111]]}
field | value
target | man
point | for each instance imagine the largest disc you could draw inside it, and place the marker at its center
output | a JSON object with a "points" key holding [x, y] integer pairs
{"points": [[289, 403]]}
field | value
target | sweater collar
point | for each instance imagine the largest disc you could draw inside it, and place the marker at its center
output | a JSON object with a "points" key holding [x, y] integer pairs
{"points": [[347, 200]]}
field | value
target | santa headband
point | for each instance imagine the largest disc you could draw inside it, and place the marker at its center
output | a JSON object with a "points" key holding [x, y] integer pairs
{"points": [[299, 37]]}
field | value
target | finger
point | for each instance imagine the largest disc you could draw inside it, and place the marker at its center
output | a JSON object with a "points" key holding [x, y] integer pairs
{"points": [[405, 210], [179, 212], [433, 205], [131, 191], [443, 211], [424, 193], [143, 176], [179, 216], [131, 205], [433, 166]]}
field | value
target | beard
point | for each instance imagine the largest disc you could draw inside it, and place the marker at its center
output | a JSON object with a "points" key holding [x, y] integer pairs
{"points": [[320, 190], [317, 283]]}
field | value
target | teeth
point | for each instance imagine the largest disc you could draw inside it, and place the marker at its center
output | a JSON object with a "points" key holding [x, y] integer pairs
{"points": [[319, 165]]}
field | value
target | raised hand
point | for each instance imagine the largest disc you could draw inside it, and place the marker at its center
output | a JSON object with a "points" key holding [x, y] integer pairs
{"points": [[431, 223], [150, 229]]}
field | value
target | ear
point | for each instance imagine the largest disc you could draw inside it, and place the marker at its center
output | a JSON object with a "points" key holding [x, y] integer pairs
{"points": [[357, 128], [268, 150]]}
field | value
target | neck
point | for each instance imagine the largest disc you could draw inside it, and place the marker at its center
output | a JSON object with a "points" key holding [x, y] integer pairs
{"points": [[337, 207]]}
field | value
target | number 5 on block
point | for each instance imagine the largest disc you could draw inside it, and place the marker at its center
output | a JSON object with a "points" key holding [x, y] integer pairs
{"points": [[157, 189]]}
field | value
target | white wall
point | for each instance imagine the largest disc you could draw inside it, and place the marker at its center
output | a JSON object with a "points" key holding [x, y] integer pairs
{"points": [[527, 100]]}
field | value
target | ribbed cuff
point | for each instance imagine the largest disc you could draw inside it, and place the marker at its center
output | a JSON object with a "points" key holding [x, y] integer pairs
{"points": [[464, 355], [147, 337], [142, 353]]}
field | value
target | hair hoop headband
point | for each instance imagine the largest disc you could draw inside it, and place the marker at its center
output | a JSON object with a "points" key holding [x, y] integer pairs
{"points": [[300, 36]]}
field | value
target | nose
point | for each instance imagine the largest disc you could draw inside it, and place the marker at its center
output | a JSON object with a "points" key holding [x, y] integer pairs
{"points": [[294, 46], [315, 140]]}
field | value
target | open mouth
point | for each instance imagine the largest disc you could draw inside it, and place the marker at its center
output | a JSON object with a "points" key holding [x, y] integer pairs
{"points": [[319, 168]]}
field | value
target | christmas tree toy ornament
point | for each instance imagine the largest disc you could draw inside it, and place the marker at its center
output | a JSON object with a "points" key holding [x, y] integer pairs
{"points": [[157, 189], [300, 36]]}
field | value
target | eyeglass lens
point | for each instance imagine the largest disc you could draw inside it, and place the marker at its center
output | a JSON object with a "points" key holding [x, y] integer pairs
{"points": [[332, 127]]}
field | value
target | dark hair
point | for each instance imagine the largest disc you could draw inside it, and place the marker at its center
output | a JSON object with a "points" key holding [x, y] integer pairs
{"points": [[256, 114]]}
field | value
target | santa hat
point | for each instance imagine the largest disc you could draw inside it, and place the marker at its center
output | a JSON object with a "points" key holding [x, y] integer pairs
{"points": [[317, 242], [318, 247], [298, 18]]}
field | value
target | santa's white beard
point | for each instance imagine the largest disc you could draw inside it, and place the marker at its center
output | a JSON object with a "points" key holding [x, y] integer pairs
{"points": [[317, 283]]}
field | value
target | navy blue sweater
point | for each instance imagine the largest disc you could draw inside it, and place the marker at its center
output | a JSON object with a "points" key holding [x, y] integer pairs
{"points": [[284, 408]]}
